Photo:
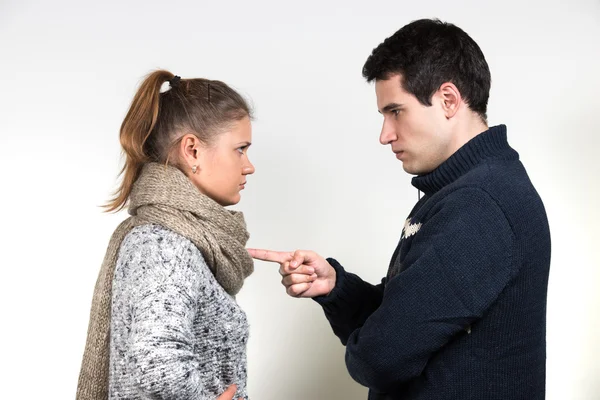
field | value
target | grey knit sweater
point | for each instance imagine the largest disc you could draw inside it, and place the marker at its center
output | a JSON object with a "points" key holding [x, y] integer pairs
{"points": [[175, 332]]}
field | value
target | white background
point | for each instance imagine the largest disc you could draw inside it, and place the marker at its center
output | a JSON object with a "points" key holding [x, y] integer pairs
{"points": [[68, 71]]}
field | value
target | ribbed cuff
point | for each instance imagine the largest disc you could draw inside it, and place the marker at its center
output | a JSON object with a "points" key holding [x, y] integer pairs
{"points": [[340, 278], [346, 295]]}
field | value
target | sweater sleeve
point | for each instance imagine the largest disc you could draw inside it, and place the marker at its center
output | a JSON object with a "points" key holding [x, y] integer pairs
{"points": [[350, 303], [457, 265], [161, 355]]}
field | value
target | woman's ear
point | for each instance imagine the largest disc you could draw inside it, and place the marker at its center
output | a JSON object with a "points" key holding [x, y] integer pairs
{"points": [[189, 152]]}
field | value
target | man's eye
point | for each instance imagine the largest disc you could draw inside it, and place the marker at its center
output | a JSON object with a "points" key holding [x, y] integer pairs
{"points": [[395, 112]]}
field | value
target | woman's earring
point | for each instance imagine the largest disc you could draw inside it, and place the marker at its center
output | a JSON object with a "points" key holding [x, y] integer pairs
{"points": [[194, 169]]}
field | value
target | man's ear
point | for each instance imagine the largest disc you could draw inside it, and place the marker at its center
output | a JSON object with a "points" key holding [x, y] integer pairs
{"points": [[451, 99]]}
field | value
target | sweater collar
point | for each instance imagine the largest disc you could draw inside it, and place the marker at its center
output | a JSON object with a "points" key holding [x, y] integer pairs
{"points": [[491, 144]]}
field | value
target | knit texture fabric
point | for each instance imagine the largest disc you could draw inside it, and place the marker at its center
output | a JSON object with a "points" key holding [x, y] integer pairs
{"points": [[461, 313], [163, 195], [175, 332]]}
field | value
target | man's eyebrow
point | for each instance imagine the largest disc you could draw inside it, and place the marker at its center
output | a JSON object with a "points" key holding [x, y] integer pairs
{"points": [[390, 107]]}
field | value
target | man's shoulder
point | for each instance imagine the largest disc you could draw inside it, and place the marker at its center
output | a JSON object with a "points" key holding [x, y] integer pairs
{"points": [[502, 180], [505, 184]]}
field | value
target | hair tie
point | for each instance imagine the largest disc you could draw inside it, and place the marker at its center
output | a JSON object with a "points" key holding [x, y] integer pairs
{"points": [[174, 81]]}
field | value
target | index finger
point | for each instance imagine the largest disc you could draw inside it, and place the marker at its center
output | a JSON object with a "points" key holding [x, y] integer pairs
{"points": [[271, 255]]}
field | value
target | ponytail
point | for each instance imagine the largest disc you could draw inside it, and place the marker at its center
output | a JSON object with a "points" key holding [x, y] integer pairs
{"points": [[135, 130]]}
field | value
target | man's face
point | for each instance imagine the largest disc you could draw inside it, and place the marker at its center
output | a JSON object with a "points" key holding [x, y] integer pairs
{"points": [[419, 135]]}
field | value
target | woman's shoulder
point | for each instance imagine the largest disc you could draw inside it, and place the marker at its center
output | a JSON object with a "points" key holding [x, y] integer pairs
{"points": [[152, 246], [153, 235]]}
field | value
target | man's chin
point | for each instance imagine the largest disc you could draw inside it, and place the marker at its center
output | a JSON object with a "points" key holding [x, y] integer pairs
{"points": [[409, 169], [414, 170]]}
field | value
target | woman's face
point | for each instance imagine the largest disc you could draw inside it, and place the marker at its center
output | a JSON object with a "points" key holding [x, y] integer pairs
{"points": [[222, 167]]}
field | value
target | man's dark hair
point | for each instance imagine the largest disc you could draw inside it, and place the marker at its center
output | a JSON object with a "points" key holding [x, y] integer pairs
{"points": [[429, 53]]}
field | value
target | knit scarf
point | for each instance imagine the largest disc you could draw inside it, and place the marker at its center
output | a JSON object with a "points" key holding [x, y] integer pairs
{"points": [[163, 195]]}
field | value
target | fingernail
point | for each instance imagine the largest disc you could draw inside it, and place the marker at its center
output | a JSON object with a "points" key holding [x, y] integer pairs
{"points": [[293, 264], [314, 276], [311, 270]]}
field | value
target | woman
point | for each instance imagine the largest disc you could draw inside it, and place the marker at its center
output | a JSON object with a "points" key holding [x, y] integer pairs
{"points": [[164, 322]]}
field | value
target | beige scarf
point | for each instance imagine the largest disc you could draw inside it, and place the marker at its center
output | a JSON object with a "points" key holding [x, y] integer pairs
{"points": [[163, 195]]}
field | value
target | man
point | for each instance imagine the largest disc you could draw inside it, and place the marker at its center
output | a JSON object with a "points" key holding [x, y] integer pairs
{"points": [[461, 312]]}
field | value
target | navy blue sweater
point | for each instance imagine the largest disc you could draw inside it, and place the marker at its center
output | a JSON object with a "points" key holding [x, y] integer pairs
{"points": [[461, 313]]}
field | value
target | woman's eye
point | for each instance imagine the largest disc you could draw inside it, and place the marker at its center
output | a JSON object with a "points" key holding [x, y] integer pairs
{"points": [[241, 150]]}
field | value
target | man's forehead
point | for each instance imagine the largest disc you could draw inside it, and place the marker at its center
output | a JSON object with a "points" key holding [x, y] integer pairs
{"points": [[390, 91]]}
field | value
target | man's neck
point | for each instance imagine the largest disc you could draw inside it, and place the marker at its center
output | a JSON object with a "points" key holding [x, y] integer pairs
{"points": [[467, 130]]}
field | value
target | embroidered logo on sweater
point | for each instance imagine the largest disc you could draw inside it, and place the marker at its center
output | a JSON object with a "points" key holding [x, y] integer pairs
{"points": [[410, 229]]}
